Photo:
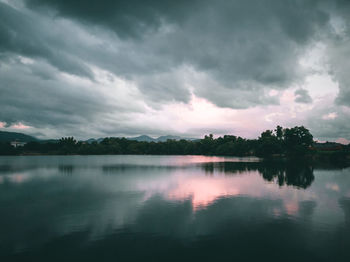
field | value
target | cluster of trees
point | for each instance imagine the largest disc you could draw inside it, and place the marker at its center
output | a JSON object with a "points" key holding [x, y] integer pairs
{"points": [[295, 141]]}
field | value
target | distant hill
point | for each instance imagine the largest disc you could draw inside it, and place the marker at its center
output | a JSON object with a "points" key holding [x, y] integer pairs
{"points": [[165, 138], [143, 138], [91, 140], [12, 136]]}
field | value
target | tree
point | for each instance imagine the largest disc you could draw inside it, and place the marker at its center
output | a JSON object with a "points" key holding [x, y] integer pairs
{"points": [[268, 144], [67, 145], [67, 141], [279, 132], [297, 140]]}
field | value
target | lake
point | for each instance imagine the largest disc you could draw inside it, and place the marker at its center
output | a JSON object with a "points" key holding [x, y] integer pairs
{"points": [[171, 208]]}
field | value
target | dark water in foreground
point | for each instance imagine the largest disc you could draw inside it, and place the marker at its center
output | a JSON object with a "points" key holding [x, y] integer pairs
{"points": [[171, 208]]}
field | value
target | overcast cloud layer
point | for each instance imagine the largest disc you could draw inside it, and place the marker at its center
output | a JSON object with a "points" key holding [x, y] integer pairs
{"points": [[109, 68]]}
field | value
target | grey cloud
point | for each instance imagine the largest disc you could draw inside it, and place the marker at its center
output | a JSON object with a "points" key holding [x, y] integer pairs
{"points": [[302, 96], [339, 52], [229, 52], [344, 96], [130, 18], [329, 128], [22, 34], [133, 17], [164, 87], [50, 102], [239, 97], [237, 43], [56, 107]]}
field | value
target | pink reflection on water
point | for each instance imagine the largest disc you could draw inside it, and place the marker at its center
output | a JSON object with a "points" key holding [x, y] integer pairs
{"points": [[17, 178], [204, 190], [332, 186], [291, 207], [198, 159]]}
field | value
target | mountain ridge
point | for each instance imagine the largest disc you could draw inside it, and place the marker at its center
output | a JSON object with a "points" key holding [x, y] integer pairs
{"points": [[6, 136], [146, 138]]}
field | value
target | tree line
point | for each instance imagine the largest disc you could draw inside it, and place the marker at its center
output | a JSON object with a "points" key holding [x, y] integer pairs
{"points": [[296, 141]]}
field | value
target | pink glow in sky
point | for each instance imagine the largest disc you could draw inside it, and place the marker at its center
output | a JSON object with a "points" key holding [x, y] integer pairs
{"points": [[19, 126], [202, 117], [343, 141]]}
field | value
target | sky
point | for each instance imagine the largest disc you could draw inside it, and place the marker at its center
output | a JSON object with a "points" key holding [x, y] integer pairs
{"points": [[100, 68]]}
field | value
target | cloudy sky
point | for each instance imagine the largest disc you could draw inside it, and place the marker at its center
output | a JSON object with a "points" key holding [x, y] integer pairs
{"points": [[188, 67]]}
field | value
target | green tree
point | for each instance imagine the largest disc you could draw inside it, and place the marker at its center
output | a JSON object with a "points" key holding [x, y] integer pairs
{"points": [[67, 141], [279, 132], [297, 140], [67, 145], [268, 144]]}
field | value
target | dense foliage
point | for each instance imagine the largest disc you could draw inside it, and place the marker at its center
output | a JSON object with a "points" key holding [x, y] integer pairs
{"points": [[296, 141]]}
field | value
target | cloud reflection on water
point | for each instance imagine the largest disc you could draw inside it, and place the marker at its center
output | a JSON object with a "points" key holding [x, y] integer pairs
{"points": [[100, 197]]}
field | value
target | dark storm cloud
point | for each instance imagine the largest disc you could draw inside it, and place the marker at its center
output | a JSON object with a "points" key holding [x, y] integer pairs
{"points": [[130, 18], [21, 34], [34, 95], [241, 45], [134, 18], [339, 51], [43, 100], [230, 52], [302, 96]]}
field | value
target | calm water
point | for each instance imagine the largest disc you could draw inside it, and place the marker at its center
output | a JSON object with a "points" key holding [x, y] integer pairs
{"points": [[171, 208]]}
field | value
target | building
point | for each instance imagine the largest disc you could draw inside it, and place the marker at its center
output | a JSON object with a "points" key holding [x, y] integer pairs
{"points": [[17, 143]]}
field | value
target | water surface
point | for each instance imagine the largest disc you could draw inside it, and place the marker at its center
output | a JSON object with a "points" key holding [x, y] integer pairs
{"points": [[171, 208]]}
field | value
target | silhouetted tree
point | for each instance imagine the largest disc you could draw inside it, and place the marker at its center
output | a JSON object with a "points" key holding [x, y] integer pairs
{"points": [[297, 141]]}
